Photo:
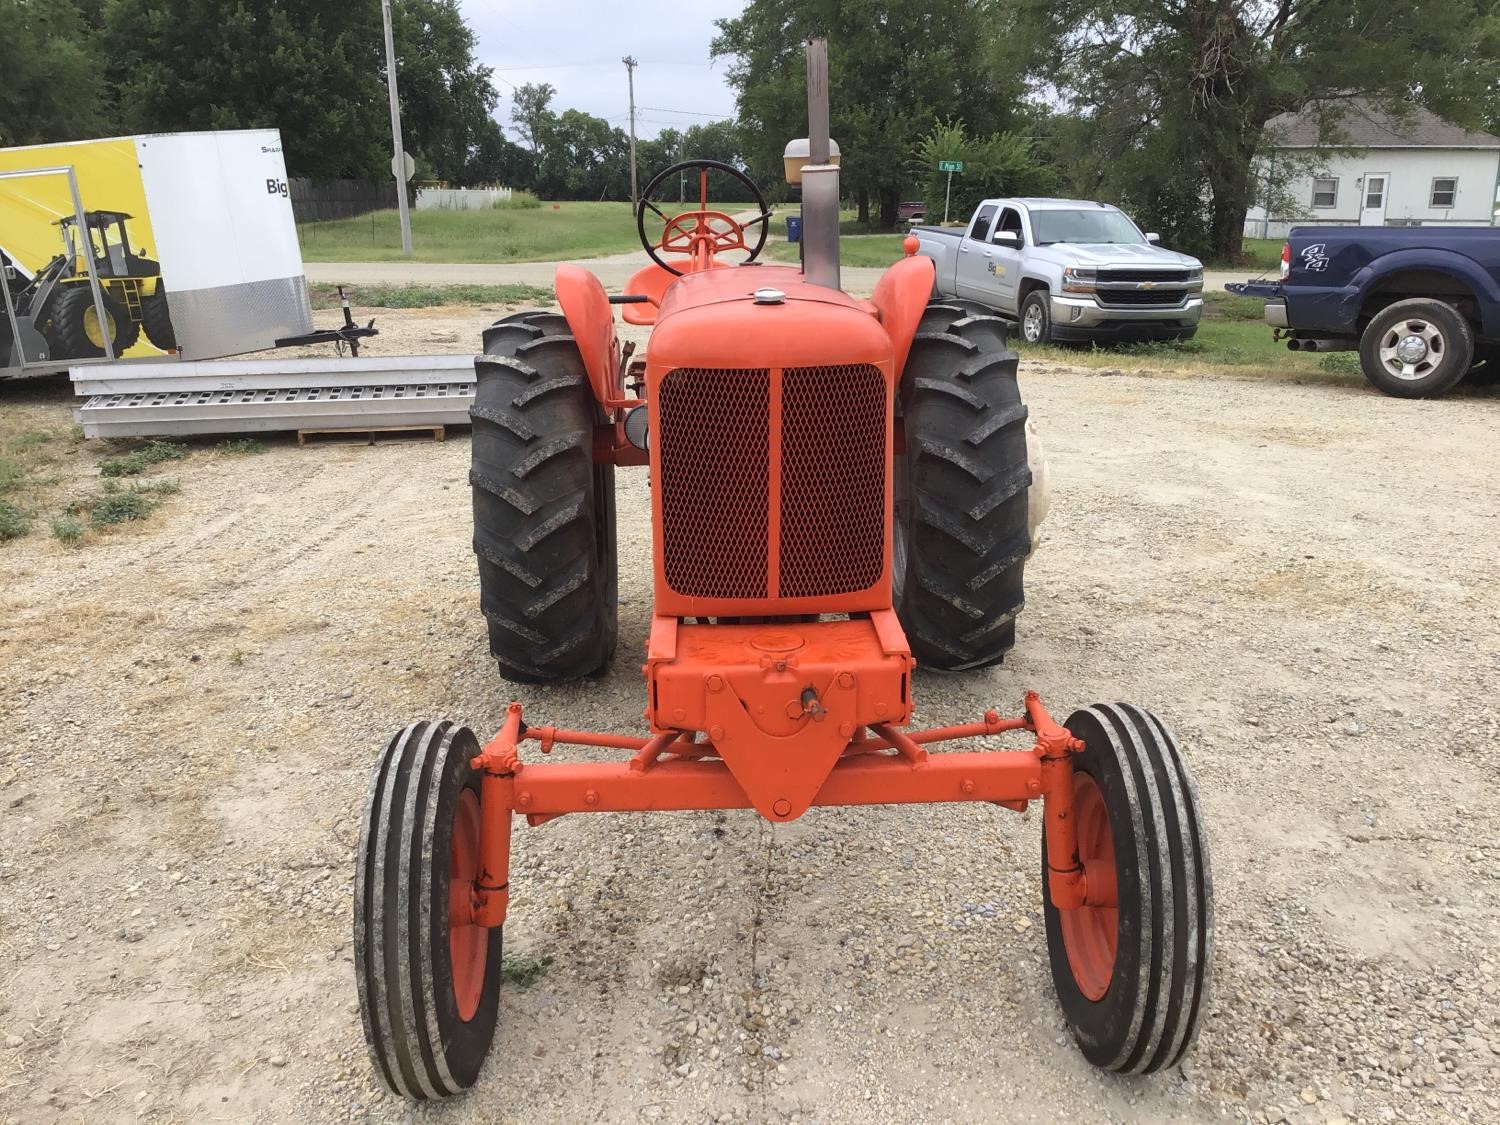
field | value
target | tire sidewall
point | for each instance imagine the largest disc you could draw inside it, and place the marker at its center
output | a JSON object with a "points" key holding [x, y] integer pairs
{"points": [[1100, 1026], [1037, 298], [1458, 339], [463, 1044]]}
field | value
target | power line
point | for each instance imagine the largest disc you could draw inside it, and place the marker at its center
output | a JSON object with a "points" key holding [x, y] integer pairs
{"points": [[690, 112]]}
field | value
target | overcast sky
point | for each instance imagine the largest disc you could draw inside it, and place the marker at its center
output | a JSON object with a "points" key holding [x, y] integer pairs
{"points": [[577, 46]]}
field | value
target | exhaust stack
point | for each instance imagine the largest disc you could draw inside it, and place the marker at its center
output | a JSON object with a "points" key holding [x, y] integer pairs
{"points": [[820, 178]]}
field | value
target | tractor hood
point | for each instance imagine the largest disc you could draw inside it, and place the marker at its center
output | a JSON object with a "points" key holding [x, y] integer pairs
{"points": [[764, 316]]}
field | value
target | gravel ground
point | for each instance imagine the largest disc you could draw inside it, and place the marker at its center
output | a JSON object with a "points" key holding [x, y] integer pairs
{"points": [[1298, 578]]}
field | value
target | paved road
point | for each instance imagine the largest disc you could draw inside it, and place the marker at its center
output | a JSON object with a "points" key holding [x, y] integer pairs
{"points": [[613, 271]]}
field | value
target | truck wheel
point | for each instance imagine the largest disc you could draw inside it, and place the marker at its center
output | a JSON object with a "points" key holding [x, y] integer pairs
{"points": [[544, 512], [1036, 317], [73, 327], [1132, 977], [156, 319], [961, 497], [1416, 349]]}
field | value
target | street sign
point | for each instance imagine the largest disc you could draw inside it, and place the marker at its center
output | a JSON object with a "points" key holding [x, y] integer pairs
{"points": [[950, 165], [411, 168]]}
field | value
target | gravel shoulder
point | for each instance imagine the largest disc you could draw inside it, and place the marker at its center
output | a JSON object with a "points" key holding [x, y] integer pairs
{"points": [[1299, 579]]}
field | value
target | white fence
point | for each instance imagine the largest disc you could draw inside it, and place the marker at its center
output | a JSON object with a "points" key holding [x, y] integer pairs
{"points": [[461, 199]]}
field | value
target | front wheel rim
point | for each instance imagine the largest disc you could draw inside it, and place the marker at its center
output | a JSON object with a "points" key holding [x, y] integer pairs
{"points": [[1412, 349], [1091, 934], [1031, 326], [468, 944]]}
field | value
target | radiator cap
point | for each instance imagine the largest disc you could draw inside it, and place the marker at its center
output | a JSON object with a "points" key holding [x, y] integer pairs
{"points": [[769, 296]]}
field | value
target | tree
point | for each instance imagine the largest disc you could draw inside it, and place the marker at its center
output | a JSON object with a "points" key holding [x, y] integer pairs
{"points": [[530, 112], [446, 96], [1173, 99], [1000, 164], [308, 69], [583, 157], [51, 88], [895, 67]]}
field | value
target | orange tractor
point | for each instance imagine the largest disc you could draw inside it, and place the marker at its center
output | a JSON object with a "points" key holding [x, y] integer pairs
{"points": [[839, 494]]}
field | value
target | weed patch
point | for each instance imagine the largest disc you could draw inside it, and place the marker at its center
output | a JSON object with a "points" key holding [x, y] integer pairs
{"points": [[135, 463], [67, 530], [116, 505], [523, 972], [14, 523], [242, 447]]}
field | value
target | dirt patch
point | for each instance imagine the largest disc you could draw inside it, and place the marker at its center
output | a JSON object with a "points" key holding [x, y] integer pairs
{"points": [[1288, 574]]}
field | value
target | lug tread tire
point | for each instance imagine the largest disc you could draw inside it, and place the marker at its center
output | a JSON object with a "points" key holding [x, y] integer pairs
{"points": [[419, 1045], [544, 520], [1148, 1018], [1458, 333], [965, 528], [156, 319], [65, 329]]}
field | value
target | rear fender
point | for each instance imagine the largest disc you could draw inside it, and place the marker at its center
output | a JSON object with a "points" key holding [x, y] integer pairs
{"points": [[901, 295], [586, 307], [1461, 269]]}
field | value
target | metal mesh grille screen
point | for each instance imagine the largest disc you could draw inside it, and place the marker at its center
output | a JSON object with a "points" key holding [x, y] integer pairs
{"points": [[714, 429], [832, 480]]}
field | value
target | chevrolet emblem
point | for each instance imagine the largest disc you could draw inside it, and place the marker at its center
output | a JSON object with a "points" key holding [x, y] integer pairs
{"points": [[1148, 285]]}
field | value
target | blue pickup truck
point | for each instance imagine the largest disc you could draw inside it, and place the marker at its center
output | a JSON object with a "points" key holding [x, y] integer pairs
{"points": [[1420, 304]]}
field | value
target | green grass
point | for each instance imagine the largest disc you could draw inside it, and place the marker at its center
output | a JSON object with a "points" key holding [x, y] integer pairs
{"points": [[429, 296], [878, 250], [553, 232], [1256, 254], [523, 972], [242, 447], [1232, 337], [135, 463]]}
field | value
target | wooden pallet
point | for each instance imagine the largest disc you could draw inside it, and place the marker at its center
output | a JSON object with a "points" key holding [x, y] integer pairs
{"points": [[369, 433]]}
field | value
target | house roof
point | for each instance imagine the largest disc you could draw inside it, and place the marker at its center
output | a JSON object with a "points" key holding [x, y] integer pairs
{"points": [[1362, 124]]}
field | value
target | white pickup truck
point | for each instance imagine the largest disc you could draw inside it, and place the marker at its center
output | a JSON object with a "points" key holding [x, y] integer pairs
{"points": [[1067, 270]]}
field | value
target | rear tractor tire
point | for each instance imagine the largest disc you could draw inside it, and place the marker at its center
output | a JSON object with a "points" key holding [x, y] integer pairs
{"points": [[429, 990], [544, 512], [965, 517], [1132, 980]]}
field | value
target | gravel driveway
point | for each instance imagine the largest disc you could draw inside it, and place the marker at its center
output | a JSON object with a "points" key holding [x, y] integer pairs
{"points": [[1299, 579]]}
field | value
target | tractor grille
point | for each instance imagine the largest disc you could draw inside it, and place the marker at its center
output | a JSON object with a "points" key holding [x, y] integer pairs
{"points": [[716, 446], [715, 481], [832, 480]]}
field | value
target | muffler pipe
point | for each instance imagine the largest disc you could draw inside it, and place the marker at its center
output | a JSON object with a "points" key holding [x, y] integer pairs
{"points": [[820, 179]]}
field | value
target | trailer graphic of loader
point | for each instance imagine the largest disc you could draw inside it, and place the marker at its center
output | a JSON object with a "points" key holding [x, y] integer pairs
{"points": [[57, 302]]}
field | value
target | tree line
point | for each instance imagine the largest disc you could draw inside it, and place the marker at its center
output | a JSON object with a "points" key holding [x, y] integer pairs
{"points": [[1161, 106]]}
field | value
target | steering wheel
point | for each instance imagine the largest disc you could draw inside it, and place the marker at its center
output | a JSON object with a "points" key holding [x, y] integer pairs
{"points": [[702, 233]]}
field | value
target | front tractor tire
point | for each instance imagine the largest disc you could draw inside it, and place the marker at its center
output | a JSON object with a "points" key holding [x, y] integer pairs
{"points": [[544, 512], [962, 526], [429, 988], [73, 327], [1132, 979]]}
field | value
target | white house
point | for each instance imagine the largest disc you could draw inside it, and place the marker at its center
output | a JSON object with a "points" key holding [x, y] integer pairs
{"points": [[1376, 171]]}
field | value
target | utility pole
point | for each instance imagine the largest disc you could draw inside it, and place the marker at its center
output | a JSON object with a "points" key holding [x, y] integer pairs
{"points": [[398, 159], [629, 61]]}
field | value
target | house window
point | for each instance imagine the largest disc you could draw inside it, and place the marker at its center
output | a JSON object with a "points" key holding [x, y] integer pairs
{"points": [[1444, 192], [1325, 192]]}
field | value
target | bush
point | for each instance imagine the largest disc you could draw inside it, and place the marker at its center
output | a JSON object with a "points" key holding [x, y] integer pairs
{"points": [[518, 201], [67, 530], [14, 523]]}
